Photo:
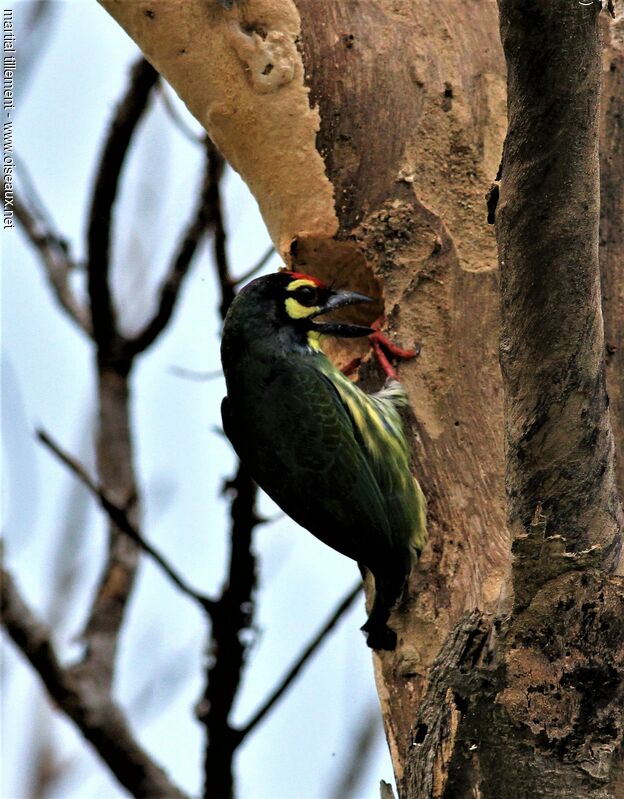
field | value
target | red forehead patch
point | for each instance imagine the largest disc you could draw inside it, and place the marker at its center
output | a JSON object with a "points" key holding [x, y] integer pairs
{"points": [[301, 276]]}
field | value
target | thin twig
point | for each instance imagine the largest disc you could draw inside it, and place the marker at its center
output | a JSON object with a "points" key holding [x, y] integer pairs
{"points": [[255, 268], [31, 192], [54, 255], [301, 661], [84, 701], [176, 118], [127, 116], [120, 519], [232, 617], [114, 442], [226, 282], [195, 232], [353, 769], [192, 374]]}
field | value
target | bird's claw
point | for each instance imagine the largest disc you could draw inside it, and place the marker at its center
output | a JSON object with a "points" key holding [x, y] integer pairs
{"points": [[384, 349]]}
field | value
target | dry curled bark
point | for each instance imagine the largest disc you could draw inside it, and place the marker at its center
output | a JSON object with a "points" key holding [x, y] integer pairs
{"points": [[370, 133]]}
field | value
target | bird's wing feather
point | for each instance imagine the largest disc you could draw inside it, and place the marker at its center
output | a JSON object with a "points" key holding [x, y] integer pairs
{"points": [[379, 431], [310, 463]]}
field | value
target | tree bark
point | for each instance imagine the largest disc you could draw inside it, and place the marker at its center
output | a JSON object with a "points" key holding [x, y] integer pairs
{"points": [[370, 132], [550, 695], [612, 222]]}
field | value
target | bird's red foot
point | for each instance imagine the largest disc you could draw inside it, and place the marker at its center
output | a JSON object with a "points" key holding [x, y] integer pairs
{"points": [[383, 349]]}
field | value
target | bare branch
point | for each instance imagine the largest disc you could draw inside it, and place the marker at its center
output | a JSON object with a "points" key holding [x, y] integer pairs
{"points": [[226, 283], [127, 116], [114, 441], [176, 118], [301, 661], [192, 374], [352, 772], [255, 268], [54, 254], [120, 519], [84, 701], [170, 288], [232, 619]]}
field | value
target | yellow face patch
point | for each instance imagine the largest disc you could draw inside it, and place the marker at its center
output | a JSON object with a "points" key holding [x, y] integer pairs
{"points": [[294, 308]]}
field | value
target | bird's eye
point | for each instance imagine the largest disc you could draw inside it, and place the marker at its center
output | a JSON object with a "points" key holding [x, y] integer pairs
{"points": [[306, 295]]}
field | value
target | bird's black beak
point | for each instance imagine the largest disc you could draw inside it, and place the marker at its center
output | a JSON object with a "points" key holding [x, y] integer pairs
{"points": [[339, 299]]}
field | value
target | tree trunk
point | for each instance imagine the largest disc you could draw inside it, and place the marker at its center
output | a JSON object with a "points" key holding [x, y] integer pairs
{"points": [[370, 132]]}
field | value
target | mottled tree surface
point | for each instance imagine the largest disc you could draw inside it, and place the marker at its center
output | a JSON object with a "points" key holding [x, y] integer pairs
{"points": [[370, 133]]}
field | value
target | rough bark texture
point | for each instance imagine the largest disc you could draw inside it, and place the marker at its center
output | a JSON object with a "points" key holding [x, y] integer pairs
{"points": [[560, 445], [546, 692], [370, 152], [411, 200], [612, 221]]}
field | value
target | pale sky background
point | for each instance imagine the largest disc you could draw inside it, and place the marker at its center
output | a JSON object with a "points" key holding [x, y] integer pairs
{"points": [[65, 99]]}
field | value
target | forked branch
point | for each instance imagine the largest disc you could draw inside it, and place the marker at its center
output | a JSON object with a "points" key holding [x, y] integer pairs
{"points": [[202, 219], [54, 255], [127, 117], [119, 517], [307, 653], [84, 701]]}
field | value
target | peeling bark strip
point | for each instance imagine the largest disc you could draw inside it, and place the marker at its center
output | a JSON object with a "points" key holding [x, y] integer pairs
{"points": [[434, 736], [560, 444], [541, 713]]}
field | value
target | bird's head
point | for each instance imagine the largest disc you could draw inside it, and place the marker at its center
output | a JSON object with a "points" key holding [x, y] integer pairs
{"points": [[287, 304]]}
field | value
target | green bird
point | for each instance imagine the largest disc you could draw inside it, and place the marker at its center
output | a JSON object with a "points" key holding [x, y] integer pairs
{"points": [[334, 458]]}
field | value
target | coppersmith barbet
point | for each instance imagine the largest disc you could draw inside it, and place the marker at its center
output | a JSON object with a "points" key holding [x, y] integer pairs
{"points": [[334, 458]]}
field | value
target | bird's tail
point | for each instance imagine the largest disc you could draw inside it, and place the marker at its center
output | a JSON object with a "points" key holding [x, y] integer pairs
{"points": [[389, 587]]}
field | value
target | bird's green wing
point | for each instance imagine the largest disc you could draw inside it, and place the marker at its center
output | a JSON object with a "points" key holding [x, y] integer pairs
{"points": [[300, 447], [379, 431]]}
